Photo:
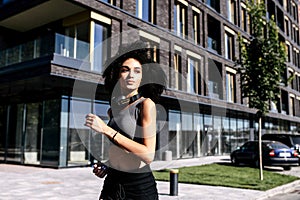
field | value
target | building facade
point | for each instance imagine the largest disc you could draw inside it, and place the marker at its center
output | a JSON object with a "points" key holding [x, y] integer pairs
{"points": [[51, 60]]}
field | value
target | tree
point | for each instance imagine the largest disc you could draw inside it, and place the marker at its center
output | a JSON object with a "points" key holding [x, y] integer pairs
{"points": [[262, 64]]}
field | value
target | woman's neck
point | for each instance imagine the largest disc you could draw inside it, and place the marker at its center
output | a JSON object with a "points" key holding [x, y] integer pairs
{"points": [[129, 94]]}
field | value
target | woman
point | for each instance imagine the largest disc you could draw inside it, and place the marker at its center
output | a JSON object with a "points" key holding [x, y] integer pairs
{"points": [[134, 83]]}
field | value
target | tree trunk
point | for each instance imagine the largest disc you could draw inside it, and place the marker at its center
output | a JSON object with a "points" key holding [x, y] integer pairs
{"points": [[261, 176]]}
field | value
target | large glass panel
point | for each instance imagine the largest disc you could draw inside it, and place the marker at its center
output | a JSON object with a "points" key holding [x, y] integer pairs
{"points": [[174, 133], [99, 143], [79, 135], [100, 47], [247, 129], [208, 135], [216, 142], [226, 136], [32, 134], [198, 128], [3, 123], [64, 123], [15, 133], [240, 132], [187, 136], [234, 137], [51, 133]]}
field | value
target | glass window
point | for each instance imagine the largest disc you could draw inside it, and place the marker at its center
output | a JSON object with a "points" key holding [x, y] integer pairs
{"points": [[230, 87], [288, 52], [145, 10], [215, 83], [32, 134], [99, 144], [174, 133], [187, 136], [244, 18], [198, 128], [101, 35], [15, 131], [287, 26], [76, 41], [51, 133], [292, 106], [79, 135], [180, 19], [193, 76], [216, 142], [196, 27], [226, 136], [207, 136], [229, 46], [215, 4], [231, 12], [213, 35], [154, 48], [234, 138], [112, 2], [3, 124], [177, 72]]}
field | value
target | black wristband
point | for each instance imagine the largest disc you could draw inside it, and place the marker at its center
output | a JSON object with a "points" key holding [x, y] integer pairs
{"points": [[113, 137]]}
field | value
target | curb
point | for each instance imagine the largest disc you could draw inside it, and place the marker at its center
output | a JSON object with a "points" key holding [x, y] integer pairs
{"points": [[279, 190]]}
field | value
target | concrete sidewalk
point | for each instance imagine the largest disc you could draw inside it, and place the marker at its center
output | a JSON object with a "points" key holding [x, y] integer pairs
{"points": [[30, 183]]}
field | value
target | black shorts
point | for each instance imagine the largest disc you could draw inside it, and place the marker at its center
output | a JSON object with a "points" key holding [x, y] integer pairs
{"points": [[129, 186]]}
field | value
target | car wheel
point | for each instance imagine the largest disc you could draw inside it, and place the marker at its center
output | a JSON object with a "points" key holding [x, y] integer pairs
{"points": [[234, 161], [287, 167]]}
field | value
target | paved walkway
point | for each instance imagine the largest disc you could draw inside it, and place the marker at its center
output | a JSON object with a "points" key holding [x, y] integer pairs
{"points": [[33, 183]]}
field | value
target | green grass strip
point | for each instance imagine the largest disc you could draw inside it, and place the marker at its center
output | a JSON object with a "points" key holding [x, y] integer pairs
{"points": [[227, 176]]}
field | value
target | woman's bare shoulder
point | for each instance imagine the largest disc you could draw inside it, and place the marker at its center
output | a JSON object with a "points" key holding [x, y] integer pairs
{"points": [[147, 102]]}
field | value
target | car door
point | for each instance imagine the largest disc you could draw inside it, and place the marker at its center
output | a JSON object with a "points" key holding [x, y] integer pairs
{"points": [[247, 152]]}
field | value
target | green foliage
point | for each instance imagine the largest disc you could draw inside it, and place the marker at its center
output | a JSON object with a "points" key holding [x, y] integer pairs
{"points": [[228, 176], [262, 60]]}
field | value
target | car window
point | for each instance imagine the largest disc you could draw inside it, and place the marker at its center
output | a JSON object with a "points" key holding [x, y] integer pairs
{"points": [[277, 137], [277, 145], [296, 139]]}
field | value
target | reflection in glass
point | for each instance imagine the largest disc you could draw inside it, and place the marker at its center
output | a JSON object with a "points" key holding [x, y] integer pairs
{"points": [[51, 134], [79, 136], [32, 134], [14, 146]]}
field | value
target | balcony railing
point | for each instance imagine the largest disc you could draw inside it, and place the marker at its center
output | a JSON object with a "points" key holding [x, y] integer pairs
{"points": [[45, 46]]}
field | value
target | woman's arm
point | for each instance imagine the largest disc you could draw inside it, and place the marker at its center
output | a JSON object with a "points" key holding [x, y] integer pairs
{"points": [[145, 151]]}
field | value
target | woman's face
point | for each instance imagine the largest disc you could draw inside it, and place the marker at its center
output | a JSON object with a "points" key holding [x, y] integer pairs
{"points": [[130, 75]]}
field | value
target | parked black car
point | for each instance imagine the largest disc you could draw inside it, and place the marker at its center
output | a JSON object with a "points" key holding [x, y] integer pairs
{"points": [[274, 153], [292, 141]]}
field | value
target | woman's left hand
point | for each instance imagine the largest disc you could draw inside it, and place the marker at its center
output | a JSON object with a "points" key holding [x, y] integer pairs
{"points": [[96, 123]]}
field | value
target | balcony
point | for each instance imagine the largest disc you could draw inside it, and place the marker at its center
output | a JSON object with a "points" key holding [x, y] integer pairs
{"points": [[65, 50], [24, 16]]}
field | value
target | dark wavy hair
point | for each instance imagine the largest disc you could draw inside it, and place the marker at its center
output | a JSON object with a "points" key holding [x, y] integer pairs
{"points": [[153, 77]]}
